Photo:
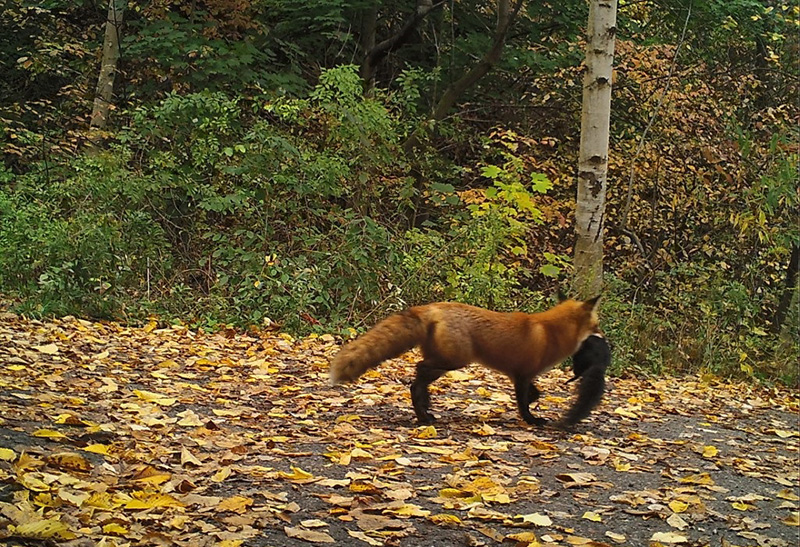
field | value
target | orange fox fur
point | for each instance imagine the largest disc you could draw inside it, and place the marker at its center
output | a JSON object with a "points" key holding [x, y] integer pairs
{"points": [[453, 335]]}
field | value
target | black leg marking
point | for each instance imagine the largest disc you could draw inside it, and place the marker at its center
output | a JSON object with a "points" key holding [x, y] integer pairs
{"points": [[526, 393], [420, 397], [533, 394]]}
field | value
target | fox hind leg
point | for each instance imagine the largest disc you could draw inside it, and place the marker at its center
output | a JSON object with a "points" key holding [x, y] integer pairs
{"points": [[533, 394], [527, 393], [427, 373]]}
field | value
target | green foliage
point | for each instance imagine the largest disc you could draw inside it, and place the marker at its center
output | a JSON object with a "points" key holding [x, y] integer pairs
{"points": [[245, 176]]}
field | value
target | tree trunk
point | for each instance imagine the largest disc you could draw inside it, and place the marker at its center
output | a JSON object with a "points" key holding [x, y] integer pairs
{"points": [[593, 158], [376, 52], [108, 68], [504, 19], [369, 25], [789, 288]]}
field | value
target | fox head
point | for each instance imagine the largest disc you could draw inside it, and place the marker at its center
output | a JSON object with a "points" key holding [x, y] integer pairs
{"points": [[582, 314]]}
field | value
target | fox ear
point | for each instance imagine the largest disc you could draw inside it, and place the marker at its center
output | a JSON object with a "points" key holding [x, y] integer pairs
{"points": [[591, 304]]}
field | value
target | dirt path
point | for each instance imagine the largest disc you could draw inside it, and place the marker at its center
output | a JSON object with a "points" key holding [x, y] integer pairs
{"points": [[114, 436]]}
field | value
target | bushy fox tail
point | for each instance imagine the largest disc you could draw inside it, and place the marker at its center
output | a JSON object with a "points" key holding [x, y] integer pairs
{"points": [[389, 338], [590, 392]]}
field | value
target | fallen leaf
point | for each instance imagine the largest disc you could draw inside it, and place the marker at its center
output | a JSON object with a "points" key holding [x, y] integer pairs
{"points": [[668, 537], [678, 506], [308, 535], [697, 478], [188, 458], [537, 519], [43, 529], [48, 349], [428, 432], [615, 537], [710, 451], [591, 515], [69, 460], [235, 504], [151, 500], [676, 521], [49, 434], [793, 519]]}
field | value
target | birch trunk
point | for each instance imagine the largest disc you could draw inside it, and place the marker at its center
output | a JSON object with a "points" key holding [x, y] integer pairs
{"points": [[593, 159], [108, 66]]}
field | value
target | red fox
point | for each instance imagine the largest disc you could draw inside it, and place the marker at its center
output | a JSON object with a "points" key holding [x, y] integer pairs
{"points": [[453, 335]]}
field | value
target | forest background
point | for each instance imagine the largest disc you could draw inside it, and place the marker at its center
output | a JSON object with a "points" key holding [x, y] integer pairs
{"points": [[313, 165]]}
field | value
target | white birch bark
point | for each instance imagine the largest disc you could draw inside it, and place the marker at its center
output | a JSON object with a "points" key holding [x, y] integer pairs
{"points": [[108, 66], [593, 159]]}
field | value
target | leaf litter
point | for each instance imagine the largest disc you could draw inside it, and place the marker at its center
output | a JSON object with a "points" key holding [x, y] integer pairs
{"points": [[118, 436]]}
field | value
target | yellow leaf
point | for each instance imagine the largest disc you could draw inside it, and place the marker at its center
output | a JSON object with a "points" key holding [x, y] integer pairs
{"points": [[49, 434], [524, 539], [625, 412], [188, 458], [156, 398], [48, 349], [407, 510], [537, 519], [8, 455], [235, 504], [151, 500], [32, 482], [102, 500], [591, 515], [115, 529], [676, 521], [16, 368], [46, 500], [44, 529], [709, 451], [69, 460], [669, 537], [97, 448], [793, 519], [783, 434], [741, 506], [678, 506], [697, 478], [428, 432], [222, 474], [347, 418], [155, 479], [297, 474], [622, 466], [787, 494], [616, 538], [189, 419], [230, 543], [445, 519], [454, 493], [359, 454]]}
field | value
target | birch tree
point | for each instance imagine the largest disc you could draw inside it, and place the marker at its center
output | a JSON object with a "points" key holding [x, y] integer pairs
{"points": [[108, 66], [593, 158]]}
